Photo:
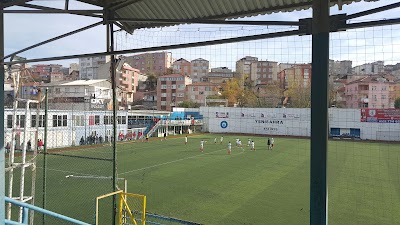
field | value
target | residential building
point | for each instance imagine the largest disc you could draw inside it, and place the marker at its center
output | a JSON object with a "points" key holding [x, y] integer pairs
{"points": [[199, 70], [198, 92], [89, 67], [221, 70], [80, 94], [74, 75], [171, 90], [54, 77], [73, 67], [263, 72], [369, 68], [220, 77], [300, 73], [283, 66], [340, 67], [182, 66], [243, 66], [47, 72], [371, 92], [156, 63], [127, 79]]}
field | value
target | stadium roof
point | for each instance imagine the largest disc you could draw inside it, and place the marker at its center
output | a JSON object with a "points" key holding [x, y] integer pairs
{"points": [[147, 13]]}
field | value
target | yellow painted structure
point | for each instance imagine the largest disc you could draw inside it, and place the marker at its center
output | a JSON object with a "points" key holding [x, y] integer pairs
{"points": [[126, 207]]}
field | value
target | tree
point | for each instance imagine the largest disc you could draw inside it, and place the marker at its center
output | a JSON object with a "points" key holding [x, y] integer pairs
{"points": [[299, 94], [169, 70], [397, 103], [151, 82], [189, 104], [269, 96], [231, 90]]}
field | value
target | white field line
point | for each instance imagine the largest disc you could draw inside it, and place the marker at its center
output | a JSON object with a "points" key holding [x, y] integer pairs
{"points": [[173, 161], [71, 172]]}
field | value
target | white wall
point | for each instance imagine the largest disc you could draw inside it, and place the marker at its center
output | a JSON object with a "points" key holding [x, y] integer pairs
{"points": [[291, 122]]}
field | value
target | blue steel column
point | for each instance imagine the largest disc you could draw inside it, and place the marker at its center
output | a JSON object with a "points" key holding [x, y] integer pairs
{"points": [[319, 113], [2, 152]]}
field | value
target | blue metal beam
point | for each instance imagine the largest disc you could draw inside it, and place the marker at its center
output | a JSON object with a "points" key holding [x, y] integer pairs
{"points": [[44, 211]]}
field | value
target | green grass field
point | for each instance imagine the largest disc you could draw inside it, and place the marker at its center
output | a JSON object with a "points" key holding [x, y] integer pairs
{"points": [[246, 187]]}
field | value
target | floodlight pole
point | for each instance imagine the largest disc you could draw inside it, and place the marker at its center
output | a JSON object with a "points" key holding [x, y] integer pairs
{"points": [[2, 150], [319, 113]]}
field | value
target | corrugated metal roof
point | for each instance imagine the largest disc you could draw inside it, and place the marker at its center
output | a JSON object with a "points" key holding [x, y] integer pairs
{"points": [[201, 9]]}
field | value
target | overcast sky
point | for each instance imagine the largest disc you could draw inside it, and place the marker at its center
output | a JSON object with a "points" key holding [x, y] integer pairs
{"points": [[360, 46]]}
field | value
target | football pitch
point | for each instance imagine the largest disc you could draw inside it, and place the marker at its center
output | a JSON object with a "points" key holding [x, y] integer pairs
{"points": [[245, 187]]}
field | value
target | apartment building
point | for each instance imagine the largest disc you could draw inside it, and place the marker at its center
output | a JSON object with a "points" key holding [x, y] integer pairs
{"points": [[89, 67], [73, 67], [263, 72], [198, 92], [127, 80], [300, 74], [243, 66], [340, 67], [171, 90], [370, 68], [220, 75], [47, 72], [182, 66], [199, 70], [156, 63], [372, 92]]}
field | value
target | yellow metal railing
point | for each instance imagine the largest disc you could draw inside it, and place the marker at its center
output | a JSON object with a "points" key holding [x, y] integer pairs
{"points": [[124, 207]]}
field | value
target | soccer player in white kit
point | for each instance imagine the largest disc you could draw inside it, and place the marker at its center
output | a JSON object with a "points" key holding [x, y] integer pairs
{"points": [[215, 140], [252, 146], [248, 142], [229, 148], [222, 138], [201, 145], [186, 139], [272, 143]]}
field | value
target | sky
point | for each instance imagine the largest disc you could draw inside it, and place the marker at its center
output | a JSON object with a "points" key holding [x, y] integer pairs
{"points": [[360, 45]]}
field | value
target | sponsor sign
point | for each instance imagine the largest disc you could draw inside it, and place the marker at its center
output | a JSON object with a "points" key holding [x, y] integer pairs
{"points": [[380, 115], [270, 121], [98, 104], [224, 124], [221, 115]]}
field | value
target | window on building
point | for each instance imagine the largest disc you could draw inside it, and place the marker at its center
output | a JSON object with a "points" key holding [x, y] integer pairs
{"points": [[383, 88], [97, 120], [41, 121], [60, 120], [373, 88], [9, 121], [383, 96], [58, 91]]}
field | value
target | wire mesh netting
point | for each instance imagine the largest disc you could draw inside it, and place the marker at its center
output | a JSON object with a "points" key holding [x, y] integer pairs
{"points": [[248, 163]]}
